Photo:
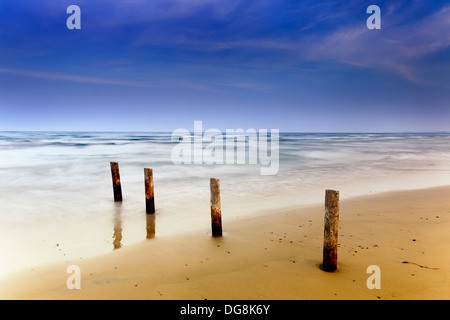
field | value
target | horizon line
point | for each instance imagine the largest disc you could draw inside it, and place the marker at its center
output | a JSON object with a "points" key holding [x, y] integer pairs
{"points": [[268, 130]]}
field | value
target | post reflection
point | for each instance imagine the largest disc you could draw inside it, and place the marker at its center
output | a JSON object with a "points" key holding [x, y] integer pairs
{"points": [[150, 225], [117, 236]]}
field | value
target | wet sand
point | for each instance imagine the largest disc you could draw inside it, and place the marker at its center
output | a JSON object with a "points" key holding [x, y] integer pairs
{"points": [[275, 255]]}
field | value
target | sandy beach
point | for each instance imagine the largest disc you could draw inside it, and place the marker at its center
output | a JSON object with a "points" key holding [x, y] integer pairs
{"points": [[275, 255]]}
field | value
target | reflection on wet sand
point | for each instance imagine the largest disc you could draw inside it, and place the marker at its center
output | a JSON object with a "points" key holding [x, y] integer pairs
{"points": [[150, 225], [117, 236], [117, 232]]}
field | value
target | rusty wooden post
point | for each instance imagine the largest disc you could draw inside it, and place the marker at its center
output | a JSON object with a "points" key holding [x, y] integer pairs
{"points": [[116, 181], [330, 240], [149, 193], [216, 213]]}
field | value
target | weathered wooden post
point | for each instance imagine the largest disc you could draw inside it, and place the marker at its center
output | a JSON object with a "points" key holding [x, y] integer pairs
{"points": [[149, 193], [330, 240], [116, 181], [216, 213]]}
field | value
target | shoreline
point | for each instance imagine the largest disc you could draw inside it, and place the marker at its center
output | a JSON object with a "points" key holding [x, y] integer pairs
{"points": [[275, 255]]}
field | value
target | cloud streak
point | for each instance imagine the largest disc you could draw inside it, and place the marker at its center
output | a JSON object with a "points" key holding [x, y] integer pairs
{"points": [[72, 78], [393, 47], [397, 47]]}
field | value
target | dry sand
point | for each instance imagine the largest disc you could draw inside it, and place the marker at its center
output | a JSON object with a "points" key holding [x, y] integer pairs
{"points": [[273, 256]]}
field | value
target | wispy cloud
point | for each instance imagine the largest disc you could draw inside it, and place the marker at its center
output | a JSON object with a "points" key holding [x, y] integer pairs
{"points": [[163, 83], [132, 12], [397, 48], [261, 43], [73, 78], [248, 85]]}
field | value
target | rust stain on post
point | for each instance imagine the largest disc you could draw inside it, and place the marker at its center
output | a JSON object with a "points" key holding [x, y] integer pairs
{"points": [[116, 181], [149, 192], [330, 240], [216, 213]]}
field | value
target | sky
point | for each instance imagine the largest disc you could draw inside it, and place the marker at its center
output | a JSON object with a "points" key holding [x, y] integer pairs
{"points": [[305, 66]]}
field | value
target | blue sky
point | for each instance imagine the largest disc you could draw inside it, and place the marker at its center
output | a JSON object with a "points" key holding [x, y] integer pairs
{"points": [[142, 65]]}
